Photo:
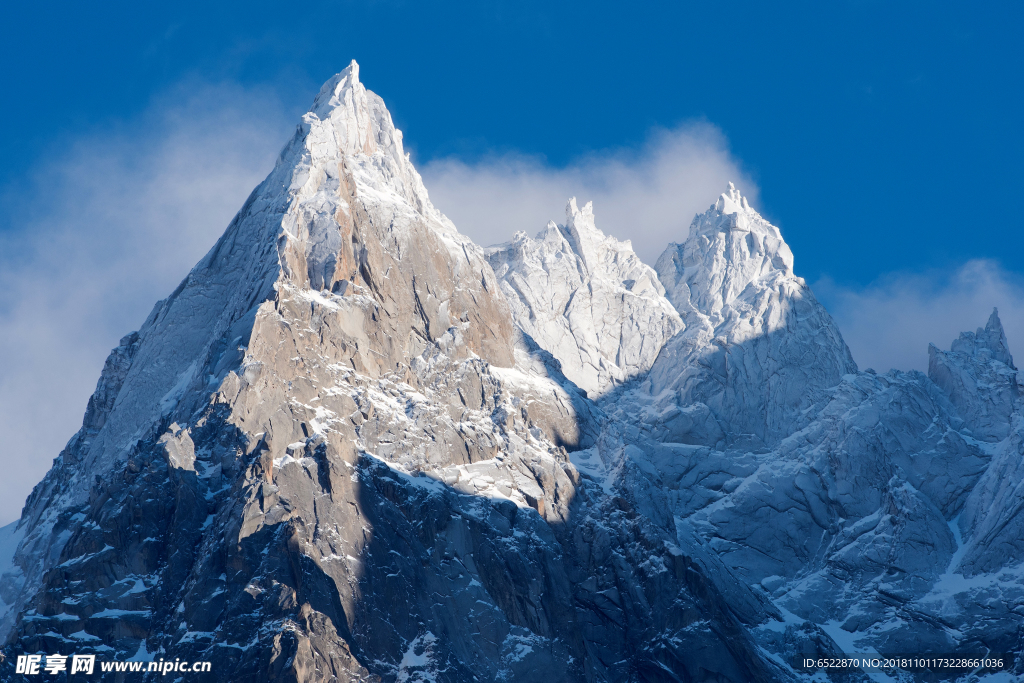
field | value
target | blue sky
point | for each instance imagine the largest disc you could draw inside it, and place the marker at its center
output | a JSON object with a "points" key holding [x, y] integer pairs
{"points": [[882, 135], [883, 138]]}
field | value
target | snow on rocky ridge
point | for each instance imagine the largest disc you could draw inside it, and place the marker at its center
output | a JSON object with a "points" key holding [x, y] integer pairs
{"points": [[353, 445], [586, 298]]}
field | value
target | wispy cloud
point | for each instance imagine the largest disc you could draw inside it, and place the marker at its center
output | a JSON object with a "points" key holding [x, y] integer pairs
{"points": [[105, 227], [890, 323], [648, 195]]}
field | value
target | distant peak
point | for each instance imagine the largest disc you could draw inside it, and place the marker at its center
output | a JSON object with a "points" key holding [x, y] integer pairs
{"points": [[353, 70], [572, 211], [731, 211], [988, 341], [581, 230], [577, 219], [995, 337], [729, 233], [994, 323]]}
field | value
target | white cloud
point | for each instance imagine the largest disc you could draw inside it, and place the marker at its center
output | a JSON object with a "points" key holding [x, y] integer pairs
{"points": [[890, 323], [106, 227], [649, 195]]}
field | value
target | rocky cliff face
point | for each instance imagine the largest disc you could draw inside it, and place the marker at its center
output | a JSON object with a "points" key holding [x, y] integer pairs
{"points": [[355, 446]]}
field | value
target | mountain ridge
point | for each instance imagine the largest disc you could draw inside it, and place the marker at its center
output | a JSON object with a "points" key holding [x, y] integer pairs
{"points": [[354, 445]]}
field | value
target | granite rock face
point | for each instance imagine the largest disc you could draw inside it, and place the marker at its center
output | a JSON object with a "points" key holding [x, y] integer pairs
{"points": [[355, 446]]}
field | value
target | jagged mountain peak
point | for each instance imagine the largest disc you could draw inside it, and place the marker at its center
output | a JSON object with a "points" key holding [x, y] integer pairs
{"points": [[572, 210], [348, 133], [732, 211], [728, 248], [586, 298], [986, 342], [339, 238], [732, 201], [587, 239], [732, 282], [333, 92], [359, 117], [357, 218], [978, 376]]}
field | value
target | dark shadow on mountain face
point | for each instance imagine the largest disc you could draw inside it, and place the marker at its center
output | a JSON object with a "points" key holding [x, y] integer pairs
{"points": [[130, 553], [501, 594], [463, 586], [181, 559], [587, 418], [888, 444], [748, 395]]}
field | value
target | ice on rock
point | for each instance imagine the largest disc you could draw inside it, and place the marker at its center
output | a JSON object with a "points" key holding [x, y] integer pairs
{"points": [[587, 299]]}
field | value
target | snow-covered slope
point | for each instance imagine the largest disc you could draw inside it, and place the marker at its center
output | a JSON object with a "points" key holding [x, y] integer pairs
{"points": [[586, 298], [863, 504]]}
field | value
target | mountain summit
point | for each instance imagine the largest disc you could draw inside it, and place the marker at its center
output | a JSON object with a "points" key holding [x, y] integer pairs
{"points": [[587, 298], [759, 350], [352, 445]]}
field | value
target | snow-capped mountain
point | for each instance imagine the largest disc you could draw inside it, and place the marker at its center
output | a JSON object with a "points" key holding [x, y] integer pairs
{"points": [[355, 446]]}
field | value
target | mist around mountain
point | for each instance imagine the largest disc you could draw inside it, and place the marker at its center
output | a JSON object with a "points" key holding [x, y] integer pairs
{"points": [[353, 445]]}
